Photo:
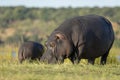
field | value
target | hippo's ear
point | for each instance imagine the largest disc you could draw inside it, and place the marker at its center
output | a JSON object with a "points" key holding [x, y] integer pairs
{"points": [[60, 36]]}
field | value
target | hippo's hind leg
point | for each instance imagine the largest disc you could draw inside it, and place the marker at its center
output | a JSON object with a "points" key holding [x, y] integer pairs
{"points": [[91, 61], [21, 61], [104, 58], [20, 58]]}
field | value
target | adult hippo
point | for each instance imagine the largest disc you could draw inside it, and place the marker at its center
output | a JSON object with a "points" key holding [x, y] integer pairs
{"points": [[30, 50], [83, 37]]}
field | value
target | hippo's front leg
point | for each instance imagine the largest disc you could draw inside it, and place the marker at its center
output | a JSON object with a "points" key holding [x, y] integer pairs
{"points": [[91, 61]]}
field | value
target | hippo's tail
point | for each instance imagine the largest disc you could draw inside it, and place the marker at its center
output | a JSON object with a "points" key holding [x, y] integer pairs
{"points": [[21, 56]]}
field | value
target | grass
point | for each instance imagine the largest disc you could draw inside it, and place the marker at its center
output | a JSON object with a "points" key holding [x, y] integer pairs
{"points": [[66, 71], [10, 69]]}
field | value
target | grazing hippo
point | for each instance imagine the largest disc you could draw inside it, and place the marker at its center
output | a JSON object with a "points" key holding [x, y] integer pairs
{"points": [[83, 37], [30, 50]]}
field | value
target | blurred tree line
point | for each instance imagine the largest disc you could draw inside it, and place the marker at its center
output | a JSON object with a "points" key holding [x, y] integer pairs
{"points": [[47, 18], [11, 14]]}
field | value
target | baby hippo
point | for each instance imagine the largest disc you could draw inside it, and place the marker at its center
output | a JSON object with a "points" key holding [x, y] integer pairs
{"points": [[30, 50]]}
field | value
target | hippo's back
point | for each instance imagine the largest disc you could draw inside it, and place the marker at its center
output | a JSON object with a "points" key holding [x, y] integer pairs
{"points": [[98, 36]]}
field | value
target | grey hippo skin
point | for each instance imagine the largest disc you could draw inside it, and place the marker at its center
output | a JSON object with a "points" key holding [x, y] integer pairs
{"points": [[84, 37], [30, 50]]}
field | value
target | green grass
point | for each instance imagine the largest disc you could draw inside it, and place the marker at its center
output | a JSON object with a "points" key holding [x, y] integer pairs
{"points": [[66, 71], [10, 69]]}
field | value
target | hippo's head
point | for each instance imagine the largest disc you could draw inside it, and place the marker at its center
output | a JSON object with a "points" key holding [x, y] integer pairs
{"points": [[58, 48]]}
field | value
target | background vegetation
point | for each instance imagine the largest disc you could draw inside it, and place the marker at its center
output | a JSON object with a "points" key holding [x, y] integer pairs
{"points": [[19, 24]]}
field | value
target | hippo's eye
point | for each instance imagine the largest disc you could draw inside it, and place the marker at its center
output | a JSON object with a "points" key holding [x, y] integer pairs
{"points": [[52, 44]]}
